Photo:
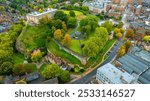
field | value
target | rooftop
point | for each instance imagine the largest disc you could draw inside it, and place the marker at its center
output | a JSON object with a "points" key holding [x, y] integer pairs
{"points": [[144, 55], [137, 62], [115, 75], [44, 12], [1, 28]]}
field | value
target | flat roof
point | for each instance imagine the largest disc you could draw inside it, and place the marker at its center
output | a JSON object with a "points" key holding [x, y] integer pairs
{"points": [[115, 75], [44, 12]]}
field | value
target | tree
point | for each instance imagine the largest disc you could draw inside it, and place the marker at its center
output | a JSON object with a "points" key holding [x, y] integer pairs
{"points": [[108, 25], [35, 8], [72, 13], [58, 34], [61, 15], [36, 56], [117, 30], [96, 43], [88, 25], [24, 68], [102, 34], [85, 8], [91, 49], [120, 25], [54, 1], [146, 38], [72, 22], [122, 30], [57, 23], [67, 40], [130, 33], [2, 8], [86, 30], [64, 77], [64, 26], [128, 44], [6, 68], [45, 20], [51, 71], [118, 35], [50, 6], [40, 10], [121, 51]]}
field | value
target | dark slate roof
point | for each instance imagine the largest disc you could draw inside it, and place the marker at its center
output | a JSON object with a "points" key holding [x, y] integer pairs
{"points": [[134, 64], [143, 80], [51, 81], [146, 75]]}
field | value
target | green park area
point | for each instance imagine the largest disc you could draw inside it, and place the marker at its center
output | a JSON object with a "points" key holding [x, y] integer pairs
{"points": [[75, 46], [33, 37], [90, 42], [82, 37], [56, 50]]}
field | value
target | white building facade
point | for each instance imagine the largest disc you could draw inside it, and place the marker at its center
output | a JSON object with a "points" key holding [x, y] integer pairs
{"points": [[109, 74], [36, 16]]}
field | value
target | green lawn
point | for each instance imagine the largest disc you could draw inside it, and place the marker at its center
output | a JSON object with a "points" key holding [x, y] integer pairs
{"points": [[18, 59], [75, 46], [54, 48], [77, 13], [108, 45]]}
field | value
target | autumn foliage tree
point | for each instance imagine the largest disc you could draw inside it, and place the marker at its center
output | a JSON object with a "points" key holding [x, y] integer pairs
{"points": [[116, 30], [124, 48], [36, 56], [121, 51], [128, 44], [146, 38], [64, 26], [58, 34], [67, 40], [130, 34], [118, 35]]}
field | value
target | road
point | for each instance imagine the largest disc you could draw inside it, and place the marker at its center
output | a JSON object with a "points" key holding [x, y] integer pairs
{"points": [[88, 77]]}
